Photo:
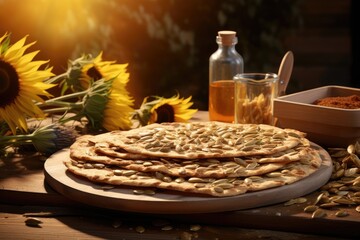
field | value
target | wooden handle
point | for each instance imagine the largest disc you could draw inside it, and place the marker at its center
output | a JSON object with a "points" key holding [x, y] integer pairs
{"points": [[285, 71]]}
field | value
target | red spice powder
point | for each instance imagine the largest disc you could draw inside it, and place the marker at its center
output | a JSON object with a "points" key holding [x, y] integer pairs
{"points": [[348, 102]]}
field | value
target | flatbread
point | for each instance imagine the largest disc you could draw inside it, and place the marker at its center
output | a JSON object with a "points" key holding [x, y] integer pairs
{"points": [[86, 150], [210, 158], [85, 147], [223, 187], [138, 179], [288, 174], [204, 140]]}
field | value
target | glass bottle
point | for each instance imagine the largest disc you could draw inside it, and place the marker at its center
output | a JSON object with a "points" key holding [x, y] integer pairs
{"points": [[224, 64]]}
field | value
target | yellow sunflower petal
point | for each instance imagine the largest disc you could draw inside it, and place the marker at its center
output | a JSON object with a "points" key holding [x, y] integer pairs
{"points": [[14, 53], [3, 37], [27, 60]]}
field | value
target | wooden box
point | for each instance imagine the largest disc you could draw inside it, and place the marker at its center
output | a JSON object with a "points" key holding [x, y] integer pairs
{"points": [[326, 126]]}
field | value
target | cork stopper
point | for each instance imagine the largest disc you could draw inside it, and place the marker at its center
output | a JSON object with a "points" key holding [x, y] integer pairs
{"points": [[227, 38]]}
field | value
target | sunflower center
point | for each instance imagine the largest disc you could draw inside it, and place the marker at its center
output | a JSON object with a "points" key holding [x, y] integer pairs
{"points": [[9, 84], [94, 73], [165, 113]]}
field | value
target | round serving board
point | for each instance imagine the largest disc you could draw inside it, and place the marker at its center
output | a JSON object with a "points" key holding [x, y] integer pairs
{"points": [[171, 202]]}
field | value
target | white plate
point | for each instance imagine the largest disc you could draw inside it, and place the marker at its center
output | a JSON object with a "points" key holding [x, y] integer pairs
{"points": [[171, 202]]}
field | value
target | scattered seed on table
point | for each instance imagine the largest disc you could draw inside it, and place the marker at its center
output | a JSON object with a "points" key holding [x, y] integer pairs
{"points": [[341, 213], [116, 224], [167, 228], [33, 222], [319, 213], [195, 227], [140, 229]]}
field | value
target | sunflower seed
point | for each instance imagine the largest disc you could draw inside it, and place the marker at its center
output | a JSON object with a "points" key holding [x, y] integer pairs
{"points": [[293, 134], [195, 227], [138, 191], [107, 187], [218, 189], [356, 182], [88, 166], [166, 179], [322, 198], [33, 222], [274, 174], [351, 149], [140, 229], [252, 165], [310, 208], [159, 175], [350, 172], [225, 185], [344, 201], [356, 200], [128, 173], [199, 185], [116, 223], [149, 192], [329, 205], [165, 149], [248, 181], [193, 166], [118, 172], [230, 164], [167, 228], [341, 213], [318, 214], [247, 148], [341, 153], [240, 161], [220, 181], [355, 159], [357, 208], [196, 180], [147, 164], [179, 180], [295, 201], [342, 193]]}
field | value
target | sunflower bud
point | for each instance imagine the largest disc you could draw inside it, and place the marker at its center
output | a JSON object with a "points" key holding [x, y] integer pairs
{"points": [[52, 138], [95, 102]]}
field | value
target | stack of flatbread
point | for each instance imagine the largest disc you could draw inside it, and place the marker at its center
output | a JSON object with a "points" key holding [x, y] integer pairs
{"points": [[207, 158]]}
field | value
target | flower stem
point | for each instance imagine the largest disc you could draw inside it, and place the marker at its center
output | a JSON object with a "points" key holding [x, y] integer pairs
{"points": [[69, 96], [5, 139], [60, 100], [57, 110], [68, 105], [57, 78]]}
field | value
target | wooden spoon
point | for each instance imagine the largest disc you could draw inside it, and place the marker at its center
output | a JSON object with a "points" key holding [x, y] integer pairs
{"points": [[285, 71]]}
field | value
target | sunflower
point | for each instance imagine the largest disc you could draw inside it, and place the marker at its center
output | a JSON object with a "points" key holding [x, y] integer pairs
{"points": [[100, 89], [21, 83], [174, 109], [107, 107], [118, 109], [95, 69]]}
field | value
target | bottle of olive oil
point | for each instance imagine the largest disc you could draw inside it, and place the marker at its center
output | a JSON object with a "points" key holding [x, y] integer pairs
{"points": [[224, 64]]}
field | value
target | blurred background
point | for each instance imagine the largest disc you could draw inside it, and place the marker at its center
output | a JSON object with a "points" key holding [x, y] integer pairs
{"points": [[167, 43]]}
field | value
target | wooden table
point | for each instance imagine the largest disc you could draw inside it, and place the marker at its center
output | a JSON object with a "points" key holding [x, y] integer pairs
{"points": [[24, 193]]}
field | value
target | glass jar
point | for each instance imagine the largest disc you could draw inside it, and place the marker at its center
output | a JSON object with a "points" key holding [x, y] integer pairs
{"points": [[254, 96], [224, 64]]}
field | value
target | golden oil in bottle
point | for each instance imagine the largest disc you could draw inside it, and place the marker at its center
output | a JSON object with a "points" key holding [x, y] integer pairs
{"points": [[221, 102], [224, 64]]}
